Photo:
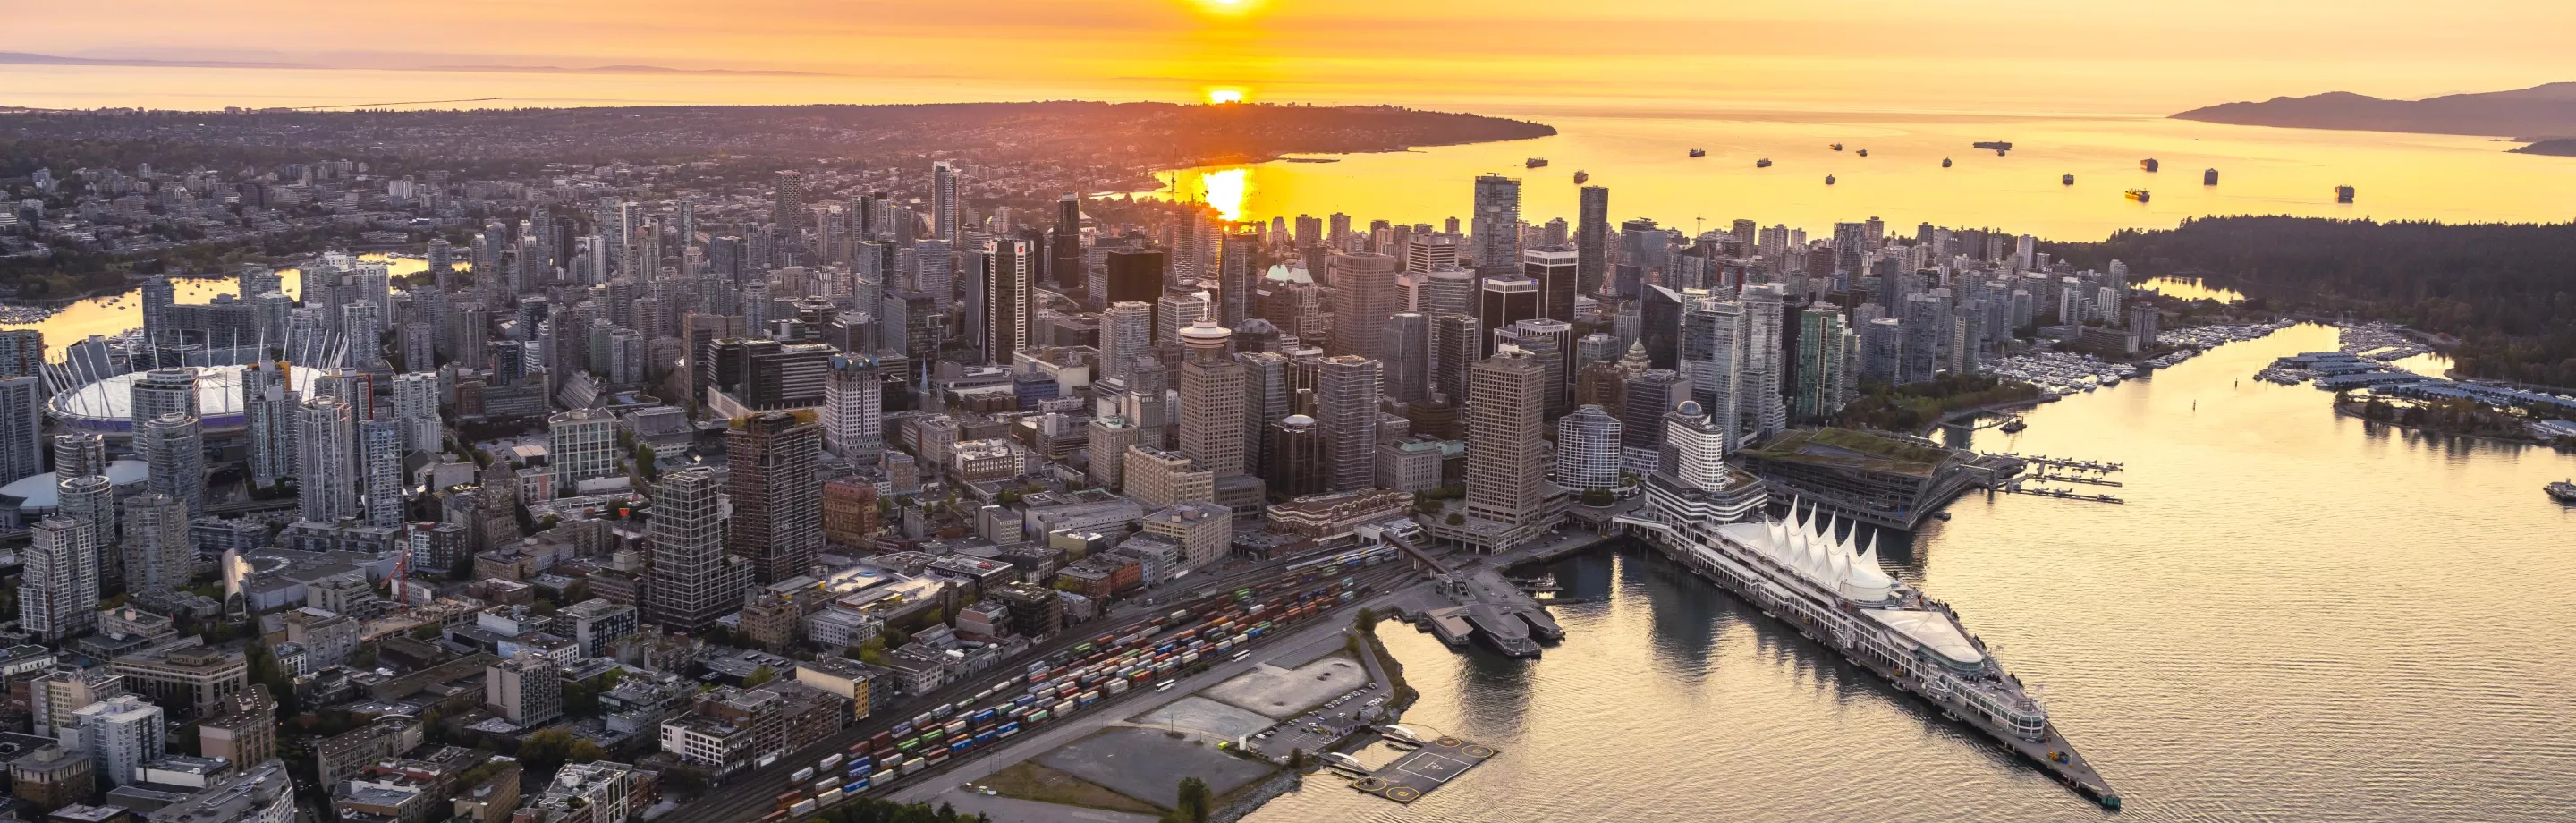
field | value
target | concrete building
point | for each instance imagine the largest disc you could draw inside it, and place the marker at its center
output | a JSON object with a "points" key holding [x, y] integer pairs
{"points": [[329, 639], [120, 734], [52, 777], [1203, 530], [242, 729], [693, 580], [1587, 450], [1213, 426], [58, 587], [326, 464], [777, 497], [527, 690], [581, 444], [1504, 447], [1346, 405], [1158, 479]]}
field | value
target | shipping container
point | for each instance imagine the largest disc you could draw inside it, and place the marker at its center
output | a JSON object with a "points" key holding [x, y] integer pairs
{"points": [[981, 716], [1040, 716], [802, 808], [801, 775], [987, 737], [855, 786], [908, 745], [954, 728], [944, 710], [1117, 687], [915, 765], [960, 746], [828, 797], [888, 758], [883, 778], [828, 763], [1008, 728], [779, 816], [827, 782], [936, 757], [1063, 708], [924, 720], [1087, 698], [789, 799], [903, 729]]}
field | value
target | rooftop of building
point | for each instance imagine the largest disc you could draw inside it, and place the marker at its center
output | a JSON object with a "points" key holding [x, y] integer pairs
{"points": [[1848, 448]]}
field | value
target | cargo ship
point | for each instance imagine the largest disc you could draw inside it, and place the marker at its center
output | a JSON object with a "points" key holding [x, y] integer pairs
{"points": [[1699, 152], [1535, 163], [2149, 164], [2067, 180], [1829, 179], [1945, 162], [1806, 572], [1863, 152], [1580, 177], [1763, 163], [2139, 195], [1835, 146], [2343, 194], [1997, 145], [2209, 177]]}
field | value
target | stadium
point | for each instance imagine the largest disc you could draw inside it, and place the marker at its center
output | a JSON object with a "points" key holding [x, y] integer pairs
{"points": [[106, 406]]}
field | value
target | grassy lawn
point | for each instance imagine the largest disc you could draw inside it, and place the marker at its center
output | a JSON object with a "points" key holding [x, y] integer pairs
{"points": [[1027, 780]]}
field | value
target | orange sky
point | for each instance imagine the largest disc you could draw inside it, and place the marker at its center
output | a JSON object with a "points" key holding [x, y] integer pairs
{"points": [[2132, 55]]}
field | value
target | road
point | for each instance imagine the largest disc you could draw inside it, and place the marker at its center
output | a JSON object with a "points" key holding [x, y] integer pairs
{"points": [[1322, 635], [750, 795]]}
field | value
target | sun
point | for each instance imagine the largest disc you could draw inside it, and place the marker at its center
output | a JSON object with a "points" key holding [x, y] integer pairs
{"points": [[1226, 7], [1225, 95]]}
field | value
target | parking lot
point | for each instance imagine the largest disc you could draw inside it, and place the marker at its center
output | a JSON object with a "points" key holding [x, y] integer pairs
{"points": [[1315, 731]]}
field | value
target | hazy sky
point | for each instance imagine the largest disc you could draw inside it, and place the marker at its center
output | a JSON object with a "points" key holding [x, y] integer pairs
{"points": [[2130, 55]]}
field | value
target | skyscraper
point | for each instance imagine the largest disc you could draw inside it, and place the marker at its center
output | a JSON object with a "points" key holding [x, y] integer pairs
{"points": [[787, 212], [1764, 367], [1457, 342], [1497, 226], [164, 391], [1556, 268], [90, 503], [1821, 335], [58, 586], [326, 465], [1346, 393], [157, 555], [777, 497], [1064, 245], [79, 454], [1126, 333], [1592, 239], [693, 581], [380, 458], [943, 201], [1363, 296], [1712, 358], [1405, 346], [1549, 340], [1266, 396], [416, 408], [1641, 434], [1882, 346], [1503, 301], [22, 419], [1213, 426], [1237, 257], [174, 452], [1504, 442], [853, 413], [1009, 299]]}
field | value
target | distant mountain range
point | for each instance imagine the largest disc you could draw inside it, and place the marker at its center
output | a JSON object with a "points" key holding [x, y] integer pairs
{"points": [[21, 58], [2532, 114]]}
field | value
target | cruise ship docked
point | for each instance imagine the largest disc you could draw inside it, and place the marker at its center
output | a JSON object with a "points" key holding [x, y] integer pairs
{"points": [[1707, 516]]}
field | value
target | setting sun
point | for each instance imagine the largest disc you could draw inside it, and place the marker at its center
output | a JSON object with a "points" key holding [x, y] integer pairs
{"points": [[1227, 6], [1225, 95]]}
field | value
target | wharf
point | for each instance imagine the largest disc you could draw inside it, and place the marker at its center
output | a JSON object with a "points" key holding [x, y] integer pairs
{"points": [[1421, 770]]}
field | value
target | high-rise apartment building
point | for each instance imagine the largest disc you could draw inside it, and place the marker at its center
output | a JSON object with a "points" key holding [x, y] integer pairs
{"points": [[416, 409], [22, 421], [581, 444], [693, 580], [777, 496], [1405, 348], [1557, 270], [326, 465], [1009, 289], [380, 459], [1588, 450], [853, 413], [174, 451], [1650, 395], [1503, 301], [943, 201], [1346, 404], [1823, 340], [158, 555], [58, 584]]}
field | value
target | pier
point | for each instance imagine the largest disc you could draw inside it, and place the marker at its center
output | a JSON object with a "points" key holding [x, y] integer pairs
{"points": [[2074, 478], [1432, 766], [2061, 494], [2047, 462]]}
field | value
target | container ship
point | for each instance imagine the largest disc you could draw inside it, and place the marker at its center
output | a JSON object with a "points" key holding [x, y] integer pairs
{"points": [[1535, 163], [2343, 194], [1708, 517]]}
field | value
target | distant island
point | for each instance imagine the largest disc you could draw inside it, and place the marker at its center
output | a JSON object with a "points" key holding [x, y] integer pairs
{"points": [[2533, 114], [2561, 147]]}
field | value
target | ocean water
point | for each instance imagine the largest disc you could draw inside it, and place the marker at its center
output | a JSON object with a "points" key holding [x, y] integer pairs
{"points": [[2296, 617]]}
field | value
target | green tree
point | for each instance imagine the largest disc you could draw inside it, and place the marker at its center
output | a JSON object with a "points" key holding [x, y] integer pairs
{"points": [[1366, 620], [758, 676], [1194, 805], [644, 465]]}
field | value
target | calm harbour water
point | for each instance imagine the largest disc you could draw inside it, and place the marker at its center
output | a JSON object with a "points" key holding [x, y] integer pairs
{"points": [[2296, 617], [118, 313]]}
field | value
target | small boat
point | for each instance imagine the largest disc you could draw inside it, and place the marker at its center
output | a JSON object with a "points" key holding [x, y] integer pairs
{"points": [[2343, 194], [1582, 177], [1945, 162], [2149, 164], [2014, 426], [2563, 491], [2209, 177], [1836, 146], [2067, 180], [1763, 163], [1535, 163], [1699, 152], [1829, 179], [1864, 152], [2139, 195]]}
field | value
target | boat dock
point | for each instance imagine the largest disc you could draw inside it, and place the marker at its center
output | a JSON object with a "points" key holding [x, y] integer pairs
{"points": [[1481, 603], [2061, 494], [2045, 461], [2074, 478], [1439, 761]]}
